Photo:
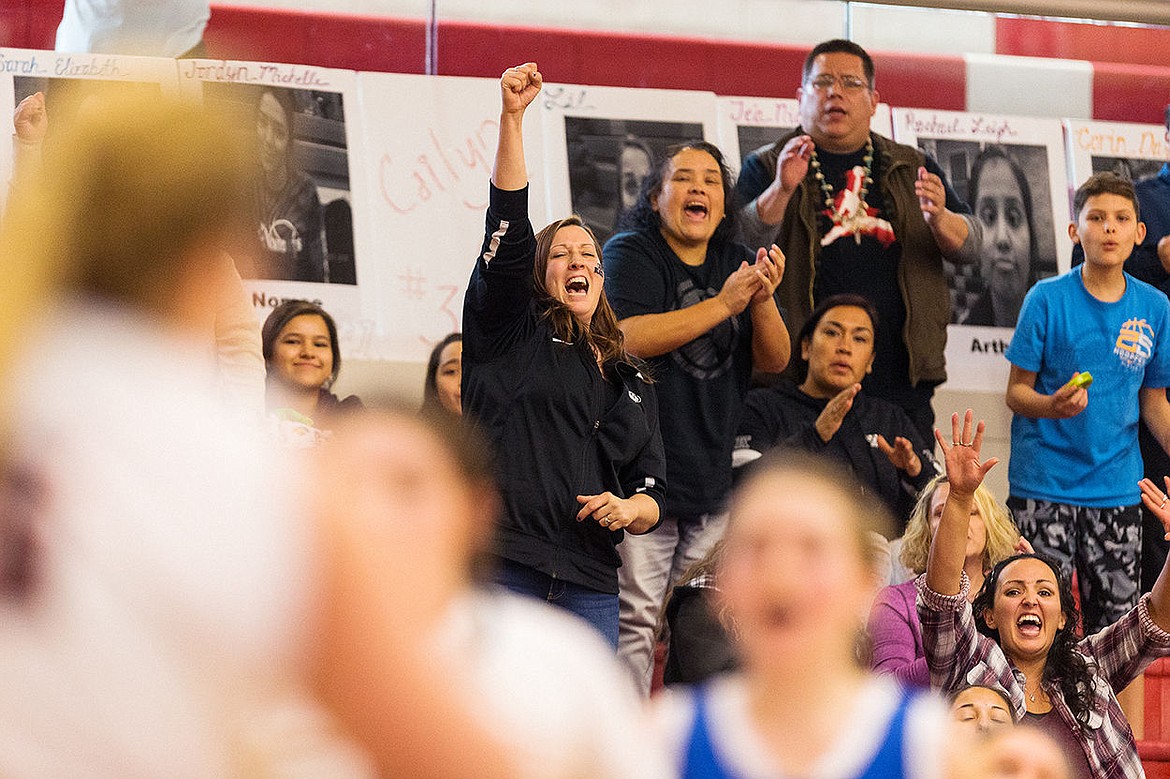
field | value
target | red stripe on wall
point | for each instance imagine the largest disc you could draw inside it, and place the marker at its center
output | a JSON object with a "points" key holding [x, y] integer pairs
{"points": [[922, 81], [31, 24], [622, 59], [1082, 41], [346, 41], [1130, 93]]}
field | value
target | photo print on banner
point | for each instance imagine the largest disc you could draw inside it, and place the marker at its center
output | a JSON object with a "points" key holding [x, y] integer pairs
{"points": [[1011, 172], [68, 83], [1136, 151], [305, 205], [65, 97], [601, 142], [610, 158], [303, 211], [1006, 186]]}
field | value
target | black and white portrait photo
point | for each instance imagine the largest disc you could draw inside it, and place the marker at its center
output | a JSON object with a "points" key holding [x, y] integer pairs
{"points": [[609, 159], [302, 212], [752, 137], [1132, 168], [64, 97], [1007, 187]]}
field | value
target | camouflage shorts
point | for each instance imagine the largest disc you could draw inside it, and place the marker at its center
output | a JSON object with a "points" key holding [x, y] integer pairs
{"points": [[1103, 544]]}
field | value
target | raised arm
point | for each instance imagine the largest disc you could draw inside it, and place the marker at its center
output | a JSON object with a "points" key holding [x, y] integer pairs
{"points": [[518, 88], [949, 228], [30, 123], [791, 168], [497, 302], [965, 472], [771, 344], [1157, 504]]}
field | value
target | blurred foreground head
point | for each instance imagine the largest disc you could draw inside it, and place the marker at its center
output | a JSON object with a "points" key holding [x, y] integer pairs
{"points": [[1022, 752], [416, 510], [138, 196], [798, 571]]}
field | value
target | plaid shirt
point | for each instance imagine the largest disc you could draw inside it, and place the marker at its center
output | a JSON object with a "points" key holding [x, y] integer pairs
{"points": [[959, 656]]}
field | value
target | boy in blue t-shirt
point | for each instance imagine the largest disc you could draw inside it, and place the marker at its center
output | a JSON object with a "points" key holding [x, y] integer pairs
{"points": [[1075, 462]]}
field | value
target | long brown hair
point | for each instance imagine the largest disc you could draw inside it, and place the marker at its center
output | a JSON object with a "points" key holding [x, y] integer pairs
{"points": [[603, 333]]}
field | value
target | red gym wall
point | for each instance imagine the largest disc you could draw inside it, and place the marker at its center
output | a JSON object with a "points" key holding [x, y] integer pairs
{"points": [[1128, 80]]}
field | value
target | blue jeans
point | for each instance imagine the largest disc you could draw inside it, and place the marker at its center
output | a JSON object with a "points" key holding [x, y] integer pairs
{"points": [[599, 609]]}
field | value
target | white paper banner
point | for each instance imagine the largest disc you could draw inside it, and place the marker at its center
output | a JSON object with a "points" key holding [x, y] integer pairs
{"points": [[747, 123], [432, 143], [1011, 171], [63, 78], [309, 162]]}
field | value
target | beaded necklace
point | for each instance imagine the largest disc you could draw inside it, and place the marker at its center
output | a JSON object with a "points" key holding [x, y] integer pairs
{"points": [[827, 188], [847, 209]]}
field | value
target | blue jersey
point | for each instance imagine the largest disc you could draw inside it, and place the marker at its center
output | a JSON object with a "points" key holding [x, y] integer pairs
{"points": [[702, 759], [1091, 459]]}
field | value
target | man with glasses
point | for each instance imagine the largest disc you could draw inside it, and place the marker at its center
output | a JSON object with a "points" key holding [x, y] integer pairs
{"points": [[855, 212]]}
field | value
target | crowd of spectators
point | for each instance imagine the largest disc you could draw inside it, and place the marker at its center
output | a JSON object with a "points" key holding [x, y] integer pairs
{"points": [[212, 565]]}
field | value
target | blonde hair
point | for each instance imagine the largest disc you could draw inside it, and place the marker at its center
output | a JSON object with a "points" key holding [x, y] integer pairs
{"points": [[1002, 533], [128, 189], [866, 518]]}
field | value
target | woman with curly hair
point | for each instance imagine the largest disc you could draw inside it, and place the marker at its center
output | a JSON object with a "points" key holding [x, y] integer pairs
{"points": [[894, 631], [1019, 634], [547, 377]]}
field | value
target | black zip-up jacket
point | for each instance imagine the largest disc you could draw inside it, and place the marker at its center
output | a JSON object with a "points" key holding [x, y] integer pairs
{"points": [[541, 402], [782, 415]]}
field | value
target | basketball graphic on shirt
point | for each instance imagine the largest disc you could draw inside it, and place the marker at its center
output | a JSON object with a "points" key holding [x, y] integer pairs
{"points": [[1135, 343]]}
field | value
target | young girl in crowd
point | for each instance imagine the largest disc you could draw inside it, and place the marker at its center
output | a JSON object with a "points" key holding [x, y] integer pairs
{"points": [[547, 377], [442, 388], [796, 580], [303, 358], [1019, 634], [893, 624]]}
